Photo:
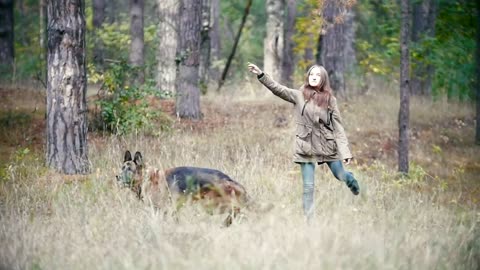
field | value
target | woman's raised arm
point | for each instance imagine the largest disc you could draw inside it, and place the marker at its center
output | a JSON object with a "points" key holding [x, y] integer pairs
{"points": [[277, 89]]}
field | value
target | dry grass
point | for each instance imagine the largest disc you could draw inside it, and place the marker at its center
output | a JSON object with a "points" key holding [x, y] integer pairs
{"points": [[50, 221]]}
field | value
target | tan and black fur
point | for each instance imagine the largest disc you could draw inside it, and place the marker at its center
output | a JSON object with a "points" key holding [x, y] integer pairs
{"points": [[213, 187]]}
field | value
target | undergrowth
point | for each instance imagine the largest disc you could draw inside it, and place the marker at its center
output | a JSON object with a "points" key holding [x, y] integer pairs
{"points": [[426, 220]]}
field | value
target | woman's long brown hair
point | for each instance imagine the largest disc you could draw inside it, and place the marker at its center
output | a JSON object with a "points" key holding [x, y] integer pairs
{"points": [[320, 94]]}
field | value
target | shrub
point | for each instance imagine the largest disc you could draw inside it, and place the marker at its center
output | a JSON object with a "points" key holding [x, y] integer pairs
{"points": [[123, 101]]}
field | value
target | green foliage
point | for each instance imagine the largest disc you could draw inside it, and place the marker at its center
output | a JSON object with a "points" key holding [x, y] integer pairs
{"points": [[11, 119], [250, 47], [29, 63], [450, 52], [114, 39], [308, 26], [19, 165], [377, 45], [123, 104], [453, 49]]}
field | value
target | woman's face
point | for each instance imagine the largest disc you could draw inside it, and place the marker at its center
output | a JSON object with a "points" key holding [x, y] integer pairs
{"points": [[314, 77]]}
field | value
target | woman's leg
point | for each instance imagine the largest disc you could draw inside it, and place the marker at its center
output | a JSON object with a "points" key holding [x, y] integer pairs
{"points": [[339, 172], [308, 171]]}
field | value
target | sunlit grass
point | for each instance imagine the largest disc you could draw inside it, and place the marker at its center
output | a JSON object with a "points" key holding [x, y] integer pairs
{"points": [[50, 221]]}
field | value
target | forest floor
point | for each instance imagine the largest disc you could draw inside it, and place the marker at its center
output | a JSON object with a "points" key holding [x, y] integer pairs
{"points": [[427, 220], [441, 137]]}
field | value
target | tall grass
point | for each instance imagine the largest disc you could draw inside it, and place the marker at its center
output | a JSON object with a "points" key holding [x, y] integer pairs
{"points": [[50, 221]]}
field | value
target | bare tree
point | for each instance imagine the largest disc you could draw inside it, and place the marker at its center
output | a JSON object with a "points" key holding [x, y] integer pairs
{"points": [[404, 113], [273, 43], [136, 31], [66, 88], [167, 46], [188, 57], [205, 44], [424, 14], [288, 56], [6, 35], [98, 19]]}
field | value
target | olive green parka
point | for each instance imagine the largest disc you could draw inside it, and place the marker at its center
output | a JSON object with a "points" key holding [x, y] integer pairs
{"points": [[318, 137]]}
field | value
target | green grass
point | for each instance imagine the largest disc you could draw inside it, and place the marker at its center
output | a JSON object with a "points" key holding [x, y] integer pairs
{"points": [[427, 221]]}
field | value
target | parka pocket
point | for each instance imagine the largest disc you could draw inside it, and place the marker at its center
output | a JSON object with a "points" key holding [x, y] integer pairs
{"points": [[329, 135], [324, 143], [330, 147], [303, 140]]}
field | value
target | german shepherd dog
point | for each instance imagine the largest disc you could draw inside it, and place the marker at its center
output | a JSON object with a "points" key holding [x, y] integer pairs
{"points": [[159, 186]]}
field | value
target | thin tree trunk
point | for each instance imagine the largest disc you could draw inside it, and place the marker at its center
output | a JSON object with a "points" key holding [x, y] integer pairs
{"points": [[167, 46], [215, 40], [136, 32], [477, 85], [430, 69], [98, 19], [6, 36], [112, 11], [205, 45], [21, 7], [273, 43], [423, 24], [350, 58], [42, 37], [288, 56], [188, 55], [404, 113], [66, 88], [237, 38]]}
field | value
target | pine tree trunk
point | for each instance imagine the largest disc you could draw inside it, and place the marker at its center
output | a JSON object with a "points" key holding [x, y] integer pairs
{"points": [[6, 36], [288, 55], [136, 32], [167, 46], [66, 88], [404, 113], [477, 85], [347, 25], [423, 25], [188, 55], [273, 43], [215, 40], [98, 19], [205, 45], [332, 54]]}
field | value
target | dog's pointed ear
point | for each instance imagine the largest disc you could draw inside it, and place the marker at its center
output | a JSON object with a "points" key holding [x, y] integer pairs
{"points": [[127, 156], [138, 159]]}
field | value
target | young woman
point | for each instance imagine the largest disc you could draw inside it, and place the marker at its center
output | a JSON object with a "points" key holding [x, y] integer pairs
{"points": [[320, 136]]}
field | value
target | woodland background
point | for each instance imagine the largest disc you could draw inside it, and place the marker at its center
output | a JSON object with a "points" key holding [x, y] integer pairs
{"points": [[132, 66]]}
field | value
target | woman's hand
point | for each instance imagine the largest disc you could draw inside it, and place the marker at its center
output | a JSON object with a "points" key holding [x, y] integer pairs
{"points": [[347, 161], [254, 69]]}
